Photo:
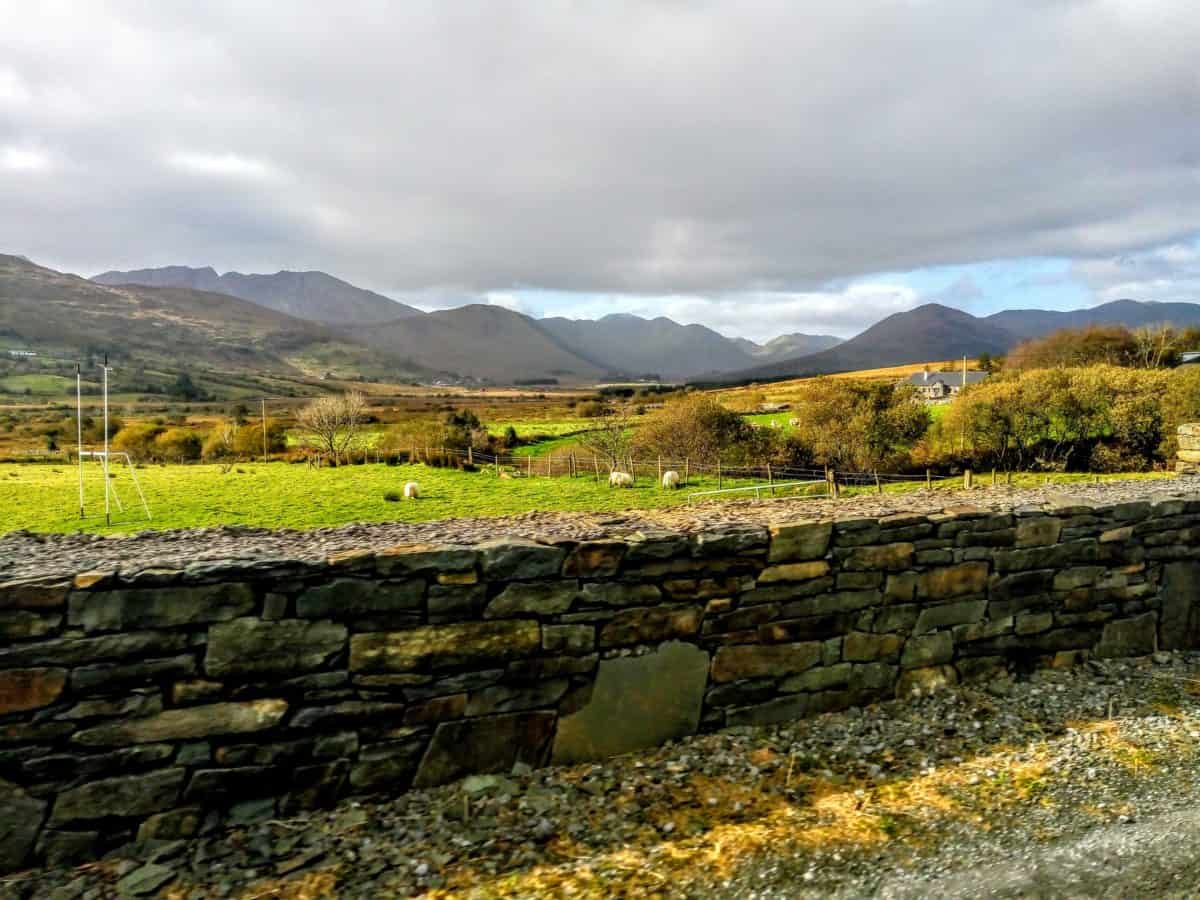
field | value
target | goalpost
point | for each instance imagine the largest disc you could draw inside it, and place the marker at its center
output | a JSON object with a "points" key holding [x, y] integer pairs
{"points": [[110, 490]]}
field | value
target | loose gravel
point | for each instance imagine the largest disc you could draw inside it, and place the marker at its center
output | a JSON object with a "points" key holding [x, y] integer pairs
{"points": [[25, 554], [911, 798]]}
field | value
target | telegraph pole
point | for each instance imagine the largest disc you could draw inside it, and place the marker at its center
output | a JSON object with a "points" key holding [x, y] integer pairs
{"points": [[264, 427], [107, 514], [79, 434]]}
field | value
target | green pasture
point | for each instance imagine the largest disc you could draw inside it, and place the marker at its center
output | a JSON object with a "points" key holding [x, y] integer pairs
{"points": [[43, 497]]}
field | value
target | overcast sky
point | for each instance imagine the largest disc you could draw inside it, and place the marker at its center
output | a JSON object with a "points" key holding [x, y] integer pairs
{"points": [[758, 167]]}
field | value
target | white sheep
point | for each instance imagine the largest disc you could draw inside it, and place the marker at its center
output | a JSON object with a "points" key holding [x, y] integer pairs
{"points": [[620, 479], [670, 480], [412, 491]]}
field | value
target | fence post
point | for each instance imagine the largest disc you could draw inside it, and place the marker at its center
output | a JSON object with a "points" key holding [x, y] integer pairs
{"points": [[470, 455], [878, 486], [929, 479], [1008, 477], [770, 480], [967, 479], [529, 466], [596, 467], [993, 477], [549, 464], [632, 470], [720, 478], [660, 470], [687, 461]]}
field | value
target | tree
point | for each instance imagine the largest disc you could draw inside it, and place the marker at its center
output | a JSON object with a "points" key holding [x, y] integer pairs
{"points": [[177, 445], [333, 422], [694, 426], [860, 425], [184, 388], [611, 439]]}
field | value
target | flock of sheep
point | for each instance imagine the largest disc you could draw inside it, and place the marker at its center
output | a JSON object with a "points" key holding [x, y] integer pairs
{"points": [[670, 481]]}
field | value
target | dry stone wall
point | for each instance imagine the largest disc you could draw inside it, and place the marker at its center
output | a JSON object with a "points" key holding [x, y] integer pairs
{"points": [[1188, 457], [158, 704]]}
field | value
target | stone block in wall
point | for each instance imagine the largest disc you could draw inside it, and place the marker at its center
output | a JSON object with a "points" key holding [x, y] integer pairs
{"points": [[795, 571], [1129, 637], [543, 598], [488, 745], [188, 724], [831, 604], [777, 709], [251, 647], [927, 650], [163, 607], [455, 603], [349, 714], [390, 765], [23, 624], [886, 557], [443, 646], [512, 559], [809, 628], [595, 559], [898, 617], [1180, 597], [504, 698], [82, 651], [650, 545], [20, 818], [945, 615], [615, 593], [356, 598], [1038, 531], [650, 625], [26, 689], [526, 671], [798, 542], [112, 676], [753, 661], [425, 559], [822, 678], [859, 646], [34, 594], [636, 702], [953, 581], [730, 540], [576, 639], [124, 796]]}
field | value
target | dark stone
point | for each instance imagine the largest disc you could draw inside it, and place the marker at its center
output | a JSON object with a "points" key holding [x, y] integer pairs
{"points": [[66, 848], [348, 714], [221, 787], [651, 625], [251, 647], [780, 709], [1129, 637], [963, 612], [74, 768], [578, 639], [80, 651], [637, 702], [188, 723], [822, 678], [511, 559], [730, 540], [21, 624], [167, 607], [927, 650], [753, 661], [545, 598], [502, 698], [25, 689], [886, 557], [1180, 626], [389, 766], [444, 646], [617, 594], [451, 603], [128, 795], [425, 559], [485, 746], [33, 594], [20, 818], [831, 604], [595, 559], [353, 598], [861, 646], [109, 676]]}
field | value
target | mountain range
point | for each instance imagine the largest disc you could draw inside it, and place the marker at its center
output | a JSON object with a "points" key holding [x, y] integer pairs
{"points": [[306, 325]]}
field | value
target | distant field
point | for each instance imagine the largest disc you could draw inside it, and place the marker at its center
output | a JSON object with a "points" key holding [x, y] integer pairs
{"points": [[278, 495], [793, 389], [42, 385]]}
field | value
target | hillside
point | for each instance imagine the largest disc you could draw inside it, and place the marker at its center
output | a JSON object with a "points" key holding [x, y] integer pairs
{"points": [[931, 331], [790, 346], [306, 295], [1027, 323], [163, 331], [630, 345], [488, 342]]}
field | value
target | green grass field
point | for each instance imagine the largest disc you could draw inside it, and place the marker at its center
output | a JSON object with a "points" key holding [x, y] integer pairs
{"points": [[45, 497]]}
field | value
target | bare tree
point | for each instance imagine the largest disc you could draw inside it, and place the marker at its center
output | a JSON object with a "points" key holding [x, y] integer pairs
{"points": [[333, 422], [611, 439], [1155, 345]]}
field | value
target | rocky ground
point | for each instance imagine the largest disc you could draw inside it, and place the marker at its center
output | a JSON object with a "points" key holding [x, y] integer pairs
{"points": [[23, 554], [1070, 782]]}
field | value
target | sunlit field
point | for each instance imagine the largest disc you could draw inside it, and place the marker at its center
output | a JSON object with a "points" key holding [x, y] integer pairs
{"points": [[278, 495]]}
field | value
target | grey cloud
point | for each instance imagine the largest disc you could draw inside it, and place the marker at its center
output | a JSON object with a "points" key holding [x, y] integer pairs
{"points": [[616, 146]]}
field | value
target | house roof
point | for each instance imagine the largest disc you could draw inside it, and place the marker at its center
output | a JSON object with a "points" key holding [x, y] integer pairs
{"points": [[1189, 356], [951, 379]]}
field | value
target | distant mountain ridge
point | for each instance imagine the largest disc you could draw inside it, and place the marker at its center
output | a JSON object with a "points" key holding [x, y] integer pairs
{"points": [[307, 295]]}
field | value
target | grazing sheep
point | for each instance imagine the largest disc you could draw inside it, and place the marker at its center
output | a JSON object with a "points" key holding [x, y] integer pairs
{"points": [[670, 480], [620, 479], [412, 491]]}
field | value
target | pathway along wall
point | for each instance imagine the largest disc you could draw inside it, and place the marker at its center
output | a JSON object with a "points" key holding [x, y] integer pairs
{"points": [[163, 703]]}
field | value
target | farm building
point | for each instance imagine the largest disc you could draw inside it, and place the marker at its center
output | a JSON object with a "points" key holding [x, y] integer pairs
{"points": [[940, 385]]}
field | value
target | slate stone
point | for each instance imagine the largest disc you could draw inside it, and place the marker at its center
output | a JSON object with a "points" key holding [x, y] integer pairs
{"points": [[861, 646], [81, 651], [822, 678], [511, 559], [25, 689], [251, 647], [927, 650], [485, 746], [66, 848], [796, 571], [502, 698], [1129, 637], [963, 612], [578, 639], [390, 766], [730, 540], [1180, 595], [545, 598], [779, 709], [166, 607], [1038, 532], [110, 676], [353, 598], [71, 768], [887, 557], [650, 625], [617, 594], [455, 603], [22, 624], [20, 818], [33, 594], [637, 702], [595, 559], [800, 541], [188, 724], [125, 796], [425, 559], [444, 646], [753, 661], [953, 581]]}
